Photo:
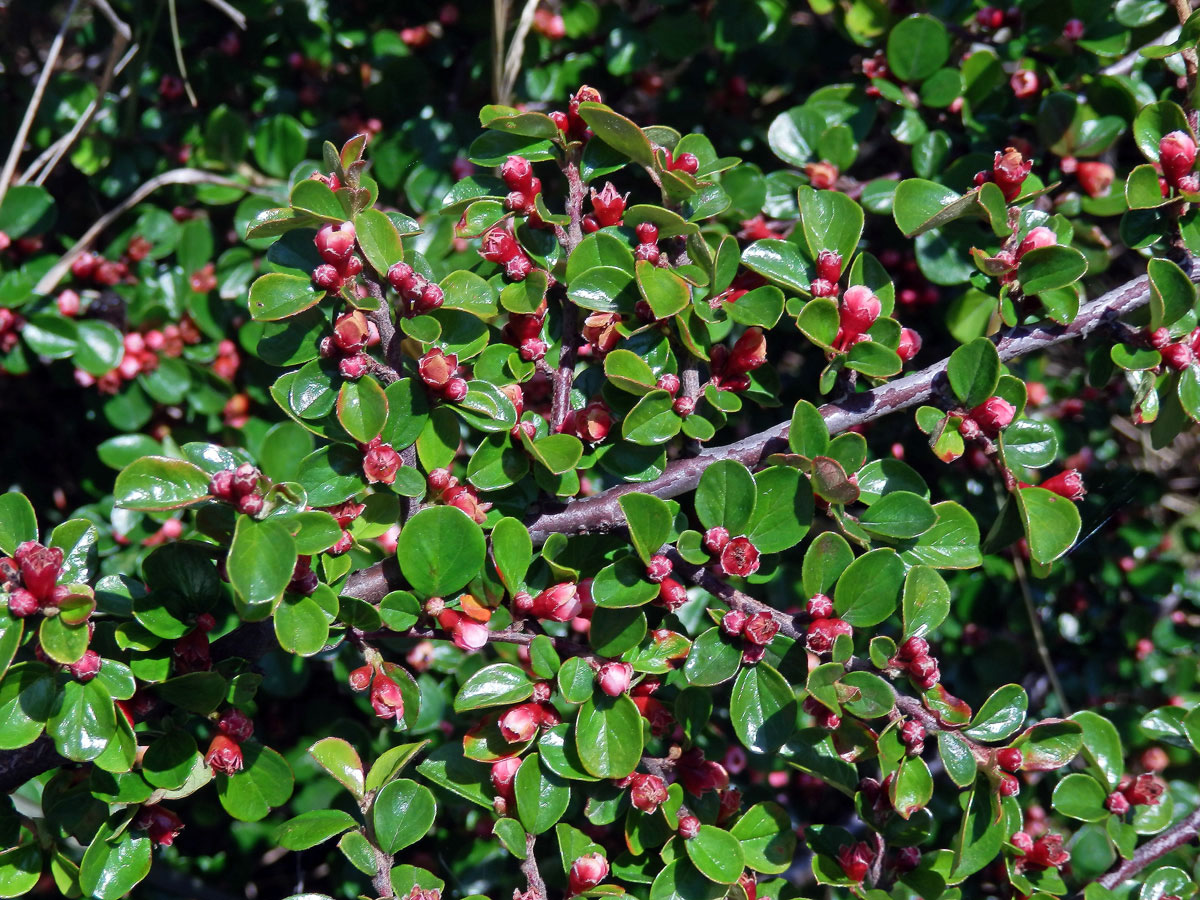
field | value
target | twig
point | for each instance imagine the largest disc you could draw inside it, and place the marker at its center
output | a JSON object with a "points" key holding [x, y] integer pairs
{"points": [[39, 90], [238, 17], [175, 176], [735, 598], [564, 376], [187, 84], [1039, 636], [529, 868], [499, 26], [1125, 64], [1177, 835], [516, 50]]}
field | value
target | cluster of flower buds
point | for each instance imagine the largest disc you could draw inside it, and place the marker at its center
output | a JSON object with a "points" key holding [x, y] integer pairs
{"points": [[988, 418], [829, 272], [560, 602], [1047, 852], [192, 652], [570, 122], [757, 630], [824, 630], [647, 792], [1009, 171], [240, 486], [699, 775], [345, 513], [590, 424], [445, 487], [32, 578], [855, 860], [386, 697], [225, 751], [647, 245], [11, 324], [614, 678], [857, 312], [499, 246], [160, 824], [381, 461], [912, 736], [524, 331], [94, 269], [418, 295], [1176, 355], [587, 872], [351, 333], [608, 206], [1144, 790], [520, 723], [913, 657], [439, 371], [738, 556], [730, 367], [335, 244], [1067, 484], [523, 187], [468, 627], [1177, 156]]}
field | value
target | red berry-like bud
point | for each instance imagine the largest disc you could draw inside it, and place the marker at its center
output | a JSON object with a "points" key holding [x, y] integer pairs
{"points": [[1024, 83], [587, 872], [386, 699], [1159, 338], [560, 602], [684, 406], [432, 297], [658, 568], [400, 276], [1177, 154], [360, 678], [455, 389], [589, 224], [860, 309], [715, 539], [1067, 484], [689, 827], [760, 629], [739, 557], [686, 162], [517, 268], [614, 678], [910, 344], [381, 462], [672, 594], [647, 233], [1008, 786], [517, 173], [1177, 356], [1095, 177], [21, 603], [1021, 841], [608, 205], [993, 414], [912, 734], [86, 667], [515, 201], [1073, 30], [1117, 803], [913, 648], [925, 672], [829, 265], [668, 383], [335, 243], [224, 755], [520, 723], [1037, 237], [1010, 759], [327, 278], [236, 724], [250, 504], [856, 860], [439, 479], [221, 484], [354, 367], [733, 622], [823, 632], [819, 607], [1009, 171], [651, 254]]}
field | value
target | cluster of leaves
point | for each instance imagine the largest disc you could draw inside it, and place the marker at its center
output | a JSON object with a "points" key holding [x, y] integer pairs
{"points": [[609, 618]]}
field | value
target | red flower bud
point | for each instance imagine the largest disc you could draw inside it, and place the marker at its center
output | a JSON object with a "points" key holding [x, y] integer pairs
{"points": [[912, 735], [1095, 178], [1073, 30], [224, 755], [855, 860], [748, 353], [401, 276], [560, 602], [335, 243], [1177, 356], [160, 824], [608, 205], [517, 268], [469, 635], [689, 827], [614, 678], [715, 539], [686, 162], [1021, 841], [647, 233], [672, 594], [1024, 83], [381, 462], [1117, 803], [354, 367], [593, 423], [587, 872], [658, 569], [668, 383], [740, 557], [1067, 484], [86, 667], [432, 297], [40, 567], [517, 173], [760, 629], [21, 603], [993, 414], [860, 309], [910, 344], [829, 265], [925, 672], [499, 246], [684, 406], [733, 622], [1008, 786], [819, 607], [1145, 790], [386, 699], [437, 368], [823, 632], [1177, 154], [1009, 171], [520, 723], [913, 648], [647, 792]]}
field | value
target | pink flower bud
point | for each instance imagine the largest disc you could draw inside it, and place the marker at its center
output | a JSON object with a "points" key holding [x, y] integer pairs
{"points": [[829, 265], [587, 872], [1177, 153], [68, 303], [740, 557], [823, 632], [715, 539], [1095, 177], [499, 246], [559, 602], [860, 309], [1177, 356], [21, 603], [87, 666], [469, 635], [400, 276], [386, 699], [1037, 237], [224, 755], [335, 243], [517, 173], [520, 723], [354, 367], [1024, 83], [855, 860], [1067, 484], [517, 268], [608, 205], [160, 824], [40, 567], [658, 568], [502, 775], [668, 383], [672, 594], [236, 724], [647, 233], [993, 414], [684, 406], [614, 678], [381, 462], [819, 607], [689, 827], [1021, 841], [925, 672], [360, 678], [327, 277], [437, 368], [1009, 171], [1073, 30], [686, 162]]}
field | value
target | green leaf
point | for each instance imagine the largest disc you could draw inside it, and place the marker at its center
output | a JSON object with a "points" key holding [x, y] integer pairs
{"points": [[900, 514], [512, 836], [608, 736], [618, 132], [1080, 797], [1050, 745], [603, 289], [301, 625], [158, 483], [957, 757], [312, 828], [869, 589], [665, 291], [1143, 190], [402, 814], [1001, 714], [1102, 746], [808, 435], [917, 47], [926, 601], [170, 759], [712, 660], [826, 558], [512, 551], [767, 839], [379, 239], [726, 497], [981, 833], [559, 453], [629, 372], [830, 221], [762, 307], [113, 865], [716, 854], [542, 795], [83, 720], [18, 523], [649, 520], [783, 509], [1154, 121], [28, 696], [653, 421], [911, 788], [362, 408], [780, 262], [974, 371], [680, 880], [279, 295], [440, 550], [1050, 268], [26, 208], [391, 763], [1051, 523], [261, 561], [1172, 294], [499, 684], [623, 584], [265, 782], [762, 708], [337, 757], [920, 205], [99, 346], [21, 869], [1029, 443], [63, 642]]}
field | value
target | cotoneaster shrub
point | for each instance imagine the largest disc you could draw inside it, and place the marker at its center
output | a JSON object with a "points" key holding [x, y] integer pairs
{"points": [[797, 500]]}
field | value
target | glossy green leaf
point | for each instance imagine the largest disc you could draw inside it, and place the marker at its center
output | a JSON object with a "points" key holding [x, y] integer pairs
{"points": [[440, 550], [608, 736], [649, 520], [762, 708], [158, 483], [542, 795], [402, 814]]}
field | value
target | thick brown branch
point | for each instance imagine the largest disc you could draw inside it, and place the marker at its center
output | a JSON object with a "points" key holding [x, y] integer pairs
{"points": [[1177, 835]]}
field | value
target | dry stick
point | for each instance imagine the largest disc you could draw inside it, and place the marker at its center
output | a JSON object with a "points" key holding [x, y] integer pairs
{"points": [[39, 89], [187, 84], [499, 26], [238, 17], [50, 280], [602, 513], [516, 50]]}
